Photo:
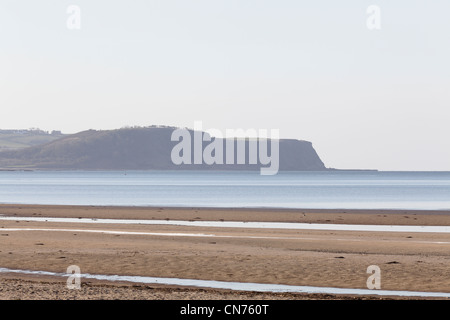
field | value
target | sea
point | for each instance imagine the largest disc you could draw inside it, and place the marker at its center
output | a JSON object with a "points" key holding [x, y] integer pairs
{"points": [[230, 189]]}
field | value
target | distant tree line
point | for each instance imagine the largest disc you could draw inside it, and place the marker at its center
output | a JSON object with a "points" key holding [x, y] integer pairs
{"points": [[30, 131]]}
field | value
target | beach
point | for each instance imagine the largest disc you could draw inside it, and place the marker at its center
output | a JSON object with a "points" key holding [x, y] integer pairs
{"points": [[409, 261]]}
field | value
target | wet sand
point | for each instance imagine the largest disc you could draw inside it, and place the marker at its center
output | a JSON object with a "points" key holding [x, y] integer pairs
{"points": [[408, 261]]}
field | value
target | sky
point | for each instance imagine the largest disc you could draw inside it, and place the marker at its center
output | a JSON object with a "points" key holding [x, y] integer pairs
{"points": [[366, 98]]}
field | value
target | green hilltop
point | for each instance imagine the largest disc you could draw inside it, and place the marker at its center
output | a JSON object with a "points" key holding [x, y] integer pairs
{"points": [[20, 139]]}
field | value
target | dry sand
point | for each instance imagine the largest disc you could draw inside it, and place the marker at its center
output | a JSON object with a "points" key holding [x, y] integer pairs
{"points": [[408, 261]]}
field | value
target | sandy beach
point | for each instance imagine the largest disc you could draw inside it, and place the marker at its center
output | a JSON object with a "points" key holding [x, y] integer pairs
{"points": [[410, 261]]}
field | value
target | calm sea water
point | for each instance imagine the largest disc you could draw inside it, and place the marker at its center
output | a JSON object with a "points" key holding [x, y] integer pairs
{"points": [[327, 190]]}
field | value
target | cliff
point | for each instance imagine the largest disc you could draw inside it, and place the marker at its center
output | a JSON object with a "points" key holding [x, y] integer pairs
{"points": [[147, 148]]}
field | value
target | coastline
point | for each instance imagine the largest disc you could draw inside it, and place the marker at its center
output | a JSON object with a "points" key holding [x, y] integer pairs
{"points": [[338, 216], [409, 261]]}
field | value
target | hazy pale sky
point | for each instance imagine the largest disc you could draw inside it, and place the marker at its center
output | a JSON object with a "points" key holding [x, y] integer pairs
{"points": [[312, 69]]}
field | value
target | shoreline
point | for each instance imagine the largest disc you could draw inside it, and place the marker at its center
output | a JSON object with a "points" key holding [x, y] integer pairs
{"points": [[410, 261], [258, 209], [48, 288], [324, 216], [312, 210], [241, 287]]}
